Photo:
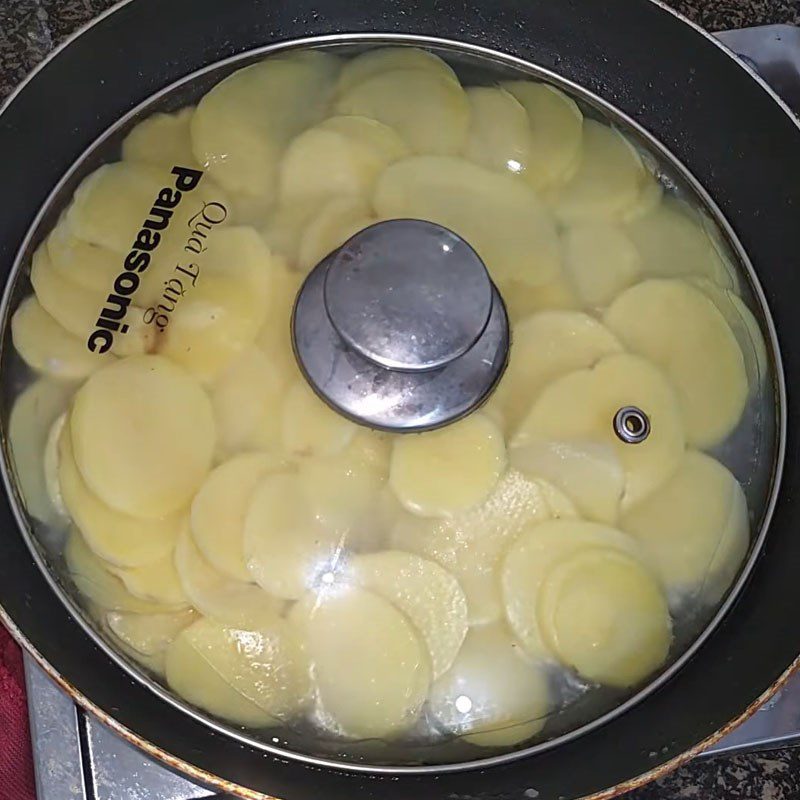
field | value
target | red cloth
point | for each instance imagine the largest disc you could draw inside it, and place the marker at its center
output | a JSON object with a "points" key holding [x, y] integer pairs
{"points": [[16, 762]]}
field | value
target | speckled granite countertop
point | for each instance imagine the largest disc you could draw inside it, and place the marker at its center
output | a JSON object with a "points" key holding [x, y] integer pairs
{"points": [[29, 29]]}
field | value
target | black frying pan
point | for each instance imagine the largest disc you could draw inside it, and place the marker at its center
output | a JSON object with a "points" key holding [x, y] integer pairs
{"points": [[730, 131]]}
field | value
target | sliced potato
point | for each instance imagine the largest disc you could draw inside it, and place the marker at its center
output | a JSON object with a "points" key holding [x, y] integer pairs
{"points": [[499, 136], [498, 215], [606, 616], [678, 328], [695, 527], [491, 695], [607, 181], [157, 581], [545, 346], [310, 427], [50, 462], [149, 634], [529, 561], [242, 125], [275, 337], [425, 592], [87, 265], [211, 593], [441, 113], [218, 510], [371, 669], [590, 474], [284, 228], [556, 126], [649, 198], [522, 300], [33, 417], [118, 538], [600, 261], [47, 348], [143, 434], [387, 59], [370, 134], [444, 472], [162, 140], [581, 406]]}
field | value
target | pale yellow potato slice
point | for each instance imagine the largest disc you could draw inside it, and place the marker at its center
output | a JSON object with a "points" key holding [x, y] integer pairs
{"points": [[371, 669], [580, 407], [86, 265], [374, 136], [148, 634], [499, 136], [33, 416], [556, 127], [444, 472], [600, 261], [529, 561], [162, 140], [287, 549], [118, 538], [605, 615], [50, 461], [589, 473], [425, 592], [695, 527], [76, 308], [220, 316], [649, 198], [218, 510], [501, 217], [157, 581], [522, 300], [387, 59], [674, 244], [93, 580], [47, 348], [275, 336], [159, 417], [441, 113], [338, 220], [309, 426], [491, 695], [283, 230], [247, 399], [544, 347], [608, 179], [679, 329], [242, 125], [217, 596]]}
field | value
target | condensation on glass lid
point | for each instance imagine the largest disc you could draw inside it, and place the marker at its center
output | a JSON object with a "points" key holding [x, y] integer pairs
{"points": [[353, 594]]}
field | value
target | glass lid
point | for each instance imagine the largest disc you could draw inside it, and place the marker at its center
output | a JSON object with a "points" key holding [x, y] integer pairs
{"points": [[389, 404]]}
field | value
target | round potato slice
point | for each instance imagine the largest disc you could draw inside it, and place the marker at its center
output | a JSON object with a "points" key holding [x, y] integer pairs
{"points": [[441, 118], [211, 593], [310, 427], [118, 538], [580, 407], [499, 136], [600, 261], [606, 616], [544, 347], [96, 583], [522, 300], [288, 549], [87, 265], [650, 197], [275, 337], [162, 139], [425, 592], [387, 59], [143, 434], [47, 348], [556, 128], [607, 181], [33, 416], [372, 671], [50, 462], [678, 328], [218, 510], [237, 134], [284, 228], [491, 695], [374, 136], [444, 472], [501, 217], [529, 561], [157, 581], [695, 527], [148, 634]]}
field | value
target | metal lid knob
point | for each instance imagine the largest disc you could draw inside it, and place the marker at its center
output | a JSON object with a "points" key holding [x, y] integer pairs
{"points": [[401, 327]]}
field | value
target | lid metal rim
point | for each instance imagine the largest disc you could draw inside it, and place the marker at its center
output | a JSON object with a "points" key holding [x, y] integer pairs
{"points": [[590, 98]]}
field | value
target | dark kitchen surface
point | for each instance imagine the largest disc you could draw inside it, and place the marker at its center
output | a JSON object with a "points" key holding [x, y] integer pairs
{"points": [[29, 29]]}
